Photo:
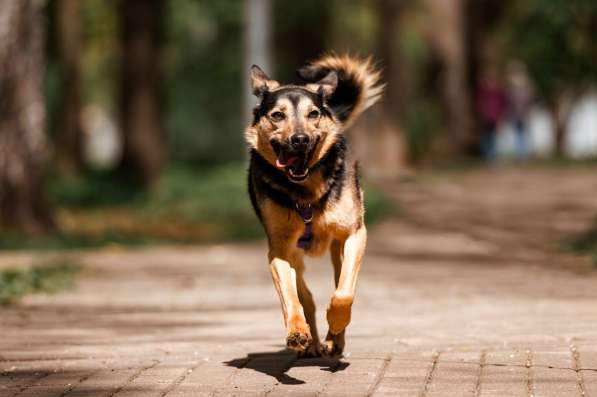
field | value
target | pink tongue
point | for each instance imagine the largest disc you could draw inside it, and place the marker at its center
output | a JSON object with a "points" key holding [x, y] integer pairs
{"points": [[289, 161]]}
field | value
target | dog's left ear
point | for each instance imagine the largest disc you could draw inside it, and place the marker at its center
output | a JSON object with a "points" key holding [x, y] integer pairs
{"points": [[260, 82], [326, 86]]}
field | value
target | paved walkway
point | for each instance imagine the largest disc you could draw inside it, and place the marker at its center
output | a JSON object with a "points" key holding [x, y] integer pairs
{"points": [[464, 295]]}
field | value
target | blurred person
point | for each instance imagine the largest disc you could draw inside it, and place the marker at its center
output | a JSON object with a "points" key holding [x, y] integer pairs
{"points": [[519, 92], [491, 105]]}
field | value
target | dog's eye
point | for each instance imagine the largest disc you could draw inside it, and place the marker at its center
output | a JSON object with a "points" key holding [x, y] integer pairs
{"points": [[313, 114], [277, 116]]}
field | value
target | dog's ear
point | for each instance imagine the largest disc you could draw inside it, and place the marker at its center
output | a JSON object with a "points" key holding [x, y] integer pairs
{"points": [[326, 85], [260, 82]]}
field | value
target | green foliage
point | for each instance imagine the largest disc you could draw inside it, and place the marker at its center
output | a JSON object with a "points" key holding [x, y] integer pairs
{"points": [[51, 277], [189, 206], [216, 197], [422, 115], [377, 205], [72, 240], [556, 39], [584, 243], [101, 51], [422, 121], [203, 62], [94, 189]]}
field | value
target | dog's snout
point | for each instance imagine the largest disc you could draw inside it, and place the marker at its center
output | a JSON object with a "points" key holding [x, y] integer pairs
{"points": [[299, 140]]}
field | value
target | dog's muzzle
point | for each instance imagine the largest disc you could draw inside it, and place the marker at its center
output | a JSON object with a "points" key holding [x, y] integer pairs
{"points": [[294, 156]]}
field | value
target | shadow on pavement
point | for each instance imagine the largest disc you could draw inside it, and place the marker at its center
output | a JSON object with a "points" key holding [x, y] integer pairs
{"points": [[276, 364]]}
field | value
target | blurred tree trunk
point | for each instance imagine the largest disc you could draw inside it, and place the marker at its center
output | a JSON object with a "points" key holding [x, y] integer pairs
{"points": [[302, 31], [257, 45], [69, 142], [560, 109], [448, 40], [22, 118], [387, 151], [559, 121], [141, 118]]}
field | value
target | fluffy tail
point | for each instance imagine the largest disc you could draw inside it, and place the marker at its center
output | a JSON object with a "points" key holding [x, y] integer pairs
{"points": [[358, 84]]}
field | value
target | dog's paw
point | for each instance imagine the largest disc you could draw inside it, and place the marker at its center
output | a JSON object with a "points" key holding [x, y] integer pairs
{"points": [[333, 346], [314, 350], [299, 341]]}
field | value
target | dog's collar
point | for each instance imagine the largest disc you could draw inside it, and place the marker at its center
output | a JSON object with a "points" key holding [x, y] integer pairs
{"points": [[305, 211]]}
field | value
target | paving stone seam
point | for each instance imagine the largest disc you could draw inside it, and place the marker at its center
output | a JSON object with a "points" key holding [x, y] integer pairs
{"points": [[134, 376], [380, 375], [482, 364], [187, 371], [530, 374], [31, 383], [333, 370], [430, 373], [486, 364], [284, 369], [82, 379], [230, 378], [580, 381]]}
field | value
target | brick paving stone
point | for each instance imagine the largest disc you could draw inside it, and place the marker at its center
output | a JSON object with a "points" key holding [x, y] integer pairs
{"points": [[469, 300], [455, 374], [587, 356], [554, 382], [104, 383], [306, 377], [358, 378], [590, 382], [403, 377], [500, 381], [55, 384], [504, 374]]}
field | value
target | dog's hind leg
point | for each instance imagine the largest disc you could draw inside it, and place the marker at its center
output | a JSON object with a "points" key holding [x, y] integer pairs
{"points": [[285, 280], [346, 258]]}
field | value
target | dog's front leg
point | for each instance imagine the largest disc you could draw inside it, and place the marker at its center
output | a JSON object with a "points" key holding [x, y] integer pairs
{"points": [[298, 335], [339, 311]]}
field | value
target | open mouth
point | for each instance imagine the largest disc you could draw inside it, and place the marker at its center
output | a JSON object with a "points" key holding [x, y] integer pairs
{"points": [[294, 164]]}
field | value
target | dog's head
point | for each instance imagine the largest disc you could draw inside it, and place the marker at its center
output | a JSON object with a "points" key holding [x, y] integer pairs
{"points": [[292, 126]]}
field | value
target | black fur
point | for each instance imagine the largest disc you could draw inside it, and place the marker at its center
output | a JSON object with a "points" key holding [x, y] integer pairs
{"points": [[266, 181], [344, 98]]}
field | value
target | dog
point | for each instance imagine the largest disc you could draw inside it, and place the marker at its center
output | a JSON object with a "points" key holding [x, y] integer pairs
{"points": [[304, 187]]}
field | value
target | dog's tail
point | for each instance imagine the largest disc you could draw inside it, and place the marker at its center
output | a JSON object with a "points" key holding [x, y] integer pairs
{"points": [[358, 84]]}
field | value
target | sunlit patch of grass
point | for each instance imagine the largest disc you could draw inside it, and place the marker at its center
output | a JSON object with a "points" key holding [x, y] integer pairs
{"points": [[49, 278], [584, 243], [377, 205], [188, 206]]}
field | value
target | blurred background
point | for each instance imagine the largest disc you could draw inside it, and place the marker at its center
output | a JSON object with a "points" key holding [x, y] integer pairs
{"points": [[121, 122]]}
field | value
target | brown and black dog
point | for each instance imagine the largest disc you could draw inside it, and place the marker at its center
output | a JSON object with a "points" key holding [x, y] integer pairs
{"points": [[305, 189]]}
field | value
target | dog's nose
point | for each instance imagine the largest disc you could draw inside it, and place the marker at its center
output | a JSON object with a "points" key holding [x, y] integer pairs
{"points": [[299, 140]]}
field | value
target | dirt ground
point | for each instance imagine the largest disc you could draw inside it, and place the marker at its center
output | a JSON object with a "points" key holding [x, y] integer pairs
{"points": [[464, 292]]}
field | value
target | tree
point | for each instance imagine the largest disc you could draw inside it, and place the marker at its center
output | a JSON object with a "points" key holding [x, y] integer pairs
{"points": [[388, 149], [22, 118], [301, 34], [141, 111], [447, 40], [257, 45], [69, 142], [556, 40]]}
